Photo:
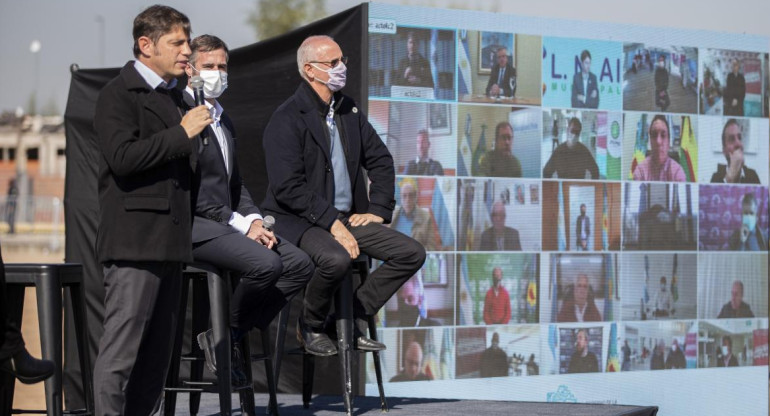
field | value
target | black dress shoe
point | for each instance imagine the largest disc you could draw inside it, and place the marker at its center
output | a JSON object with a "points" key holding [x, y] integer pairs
{"points": [[237, 374], [362, 342], [316, 343], [28, 369]]}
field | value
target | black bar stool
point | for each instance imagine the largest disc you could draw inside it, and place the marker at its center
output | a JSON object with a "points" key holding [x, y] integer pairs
{"points": [[343, 304], [48, 281], [219, 285]]}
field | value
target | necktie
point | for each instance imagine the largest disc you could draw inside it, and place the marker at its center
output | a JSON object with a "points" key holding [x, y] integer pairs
{"points": [[500, 77]]}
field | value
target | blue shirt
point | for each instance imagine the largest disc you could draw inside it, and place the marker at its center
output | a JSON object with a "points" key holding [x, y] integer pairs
{"points": [[343, 195]]}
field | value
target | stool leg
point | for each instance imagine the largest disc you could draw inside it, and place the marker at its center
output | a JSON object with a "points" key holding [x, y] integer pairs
{"points": [[200, 323], [49, 310], [377, 365], [280, 340], [77, 296], [219, 298], [344, 308], [246, 394], [308, 372], [15, 309], [272, 406], [172, 378]]}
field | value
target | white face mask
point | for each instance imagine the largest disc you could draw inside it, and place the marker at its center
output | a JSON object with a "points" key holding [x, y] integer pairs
{"points": [[724, 350], [337, 76], [214, 82]]}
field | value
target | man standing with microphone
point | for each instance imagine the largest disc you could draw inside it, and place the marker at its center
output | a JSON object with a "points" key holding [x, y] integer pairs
{"points": [[147, 150], [228, 229]]}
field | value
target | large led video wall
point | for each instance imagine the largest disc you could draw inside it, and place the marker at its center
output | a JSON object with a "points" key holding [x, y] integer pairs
{"points": [[594, 202]]}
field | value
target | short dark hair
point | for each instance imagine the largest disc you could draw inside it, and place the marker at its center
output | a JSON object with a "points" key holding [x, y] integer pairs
{"points": [[500, 125], [583, 205], [728, 124], [576, 121], [728, 339], [207, 43], [662, 118], [584, 54], [749, 198], [422, 132], [156, 21]]}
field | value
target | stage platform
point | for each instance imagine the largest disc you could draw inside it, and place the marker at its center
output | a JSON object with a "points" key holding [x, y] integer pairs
{"points": [[291, 405]]}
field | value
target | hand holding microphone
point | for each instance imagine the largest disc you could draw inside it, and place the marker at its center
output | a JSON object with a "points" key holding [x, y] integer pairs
{"points": [[196, 83], [261, 231]]}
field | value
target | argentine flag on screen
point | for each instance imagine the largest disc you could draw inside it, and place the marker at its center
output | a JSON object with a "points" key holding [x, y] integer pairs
{"points": [[464, 64]]}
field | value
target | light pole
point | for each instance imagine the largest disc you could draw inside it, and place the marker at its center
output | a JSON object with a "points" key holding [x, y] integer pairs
{"points": [[34, 48], [100, 36]]}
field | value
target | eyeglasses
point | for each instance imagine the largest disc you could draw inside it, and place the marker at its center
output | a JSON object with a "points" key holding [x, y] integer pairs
{"points": [[333, 63]]}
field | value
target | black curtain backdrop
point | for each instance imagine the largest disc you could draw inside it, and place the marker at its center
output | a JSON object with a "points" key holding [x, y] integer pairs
{"points": [[261, 77]]}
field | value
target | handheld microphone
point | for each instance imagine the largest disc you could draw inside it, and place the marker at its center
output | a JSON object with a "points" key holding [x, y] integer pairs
{"points": [[268, 223], [196, 83]]}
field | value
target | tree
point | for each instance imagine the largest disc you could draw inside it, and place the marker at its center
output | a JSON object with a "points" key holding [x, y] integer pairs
{"points": [[276, 17]]}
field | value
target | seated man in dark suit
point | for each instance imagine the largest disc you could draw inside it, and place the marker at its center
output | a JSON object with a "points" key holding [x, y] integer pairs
{"points": [[498, 237], [413, 366], [423, 164], [502, 78], [227, 229], [317, 145], [735, 171]]}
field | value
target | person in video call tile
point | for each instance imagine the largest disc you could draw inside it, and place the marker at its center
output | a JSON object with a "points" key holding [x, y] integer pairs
{"points": [[498, 237], [675, 357], [423, 164], [582, 229], [582, 360], [411, 310], [725, 357], [662, 99], [749, 237], [571, 159], [580, 307], [412, 365], [502, 78], [494, 361], [658, 166], [658, 362], [736, 307], [500, 162], [412, 220], [497, 302], [414, 69], [735, 171], [735, 91], [664, 304], [585, 89]]}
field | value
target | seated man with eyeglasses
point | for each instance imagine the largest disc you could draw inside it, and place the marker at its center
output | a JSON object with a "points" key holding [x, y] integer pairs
{"points": [[317, 145]]}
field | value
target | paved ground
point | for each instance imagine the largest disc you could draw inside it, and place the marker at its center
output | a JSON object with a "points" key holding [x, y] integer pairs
{"points": [[639, 92]]}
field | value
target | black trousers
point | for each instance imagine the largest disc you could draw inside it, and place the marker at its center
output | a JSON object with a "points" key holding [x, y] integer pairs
{"points": [[141, 306], [269, 278], [10, 336], [402, 257]]}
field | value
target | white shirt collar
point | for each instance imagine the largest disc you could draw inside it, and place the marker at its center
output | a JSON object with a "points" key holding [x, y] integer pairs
{"points": [[152, 78], [215, 109]]}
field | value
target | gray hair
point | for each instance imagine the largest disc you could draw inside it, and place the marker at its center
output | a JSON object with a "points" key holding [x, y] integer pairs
{"points": [[307, 52]]}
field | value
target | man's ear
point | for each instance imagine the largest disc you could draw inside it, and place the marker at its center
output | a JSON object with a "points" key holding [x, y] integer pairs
{"points": [[146, 45]]}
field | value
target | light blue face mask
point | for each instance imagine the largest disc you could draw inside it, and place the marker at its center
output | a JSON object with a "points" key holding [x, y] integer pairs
{"points": [[750, 221]]}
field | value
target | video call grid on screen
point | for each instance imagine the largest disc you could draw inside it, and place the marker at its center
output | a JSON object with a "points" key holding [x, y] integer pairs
{"points": [[442, 143]]}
